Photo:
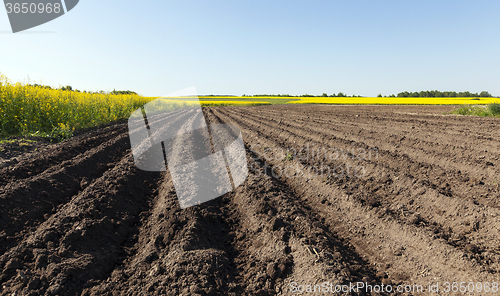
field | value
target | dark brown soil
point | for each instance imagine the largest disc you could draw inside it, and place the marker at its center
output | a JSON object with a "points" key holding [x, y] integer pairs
{"points": [[15, 146], [78, 218]]}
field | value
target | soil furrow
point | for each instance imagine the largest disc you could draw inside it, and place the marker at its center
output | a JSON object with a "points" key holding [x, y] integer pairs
{"points": [[297, 243], [80, 244], [393, 225], [180, 251], [466, 187], [482, 165], [35, 163], [406, 137], [40, 196], [79, 218]]}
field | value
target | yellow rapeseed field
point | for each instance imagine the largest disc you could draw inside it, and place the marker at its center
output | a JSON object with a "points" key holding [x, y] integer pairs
{"points": [[394, 101], [26, 109]]}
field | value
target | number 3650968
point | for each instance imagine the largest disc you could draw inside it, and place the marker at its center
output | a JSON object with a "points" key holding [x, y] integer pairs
{"points": [[33, 7]]}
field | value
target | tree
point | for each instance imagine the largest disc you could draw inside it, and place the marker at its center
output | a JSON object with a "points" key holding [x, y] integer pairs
{"points": [[379, 96], [424, 94], [123, 92], [404, 94], [485, 94]]}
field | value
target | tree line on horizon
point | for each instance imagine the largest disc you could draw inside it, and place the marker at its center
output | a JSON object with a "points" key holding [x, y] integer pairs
{"points": [[340, 94], [404, 94], [443, 94], [70, 88]]}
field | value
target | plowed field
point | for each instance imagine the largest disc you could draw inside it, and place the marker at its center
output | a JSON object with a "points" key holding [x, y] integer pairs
{"points": [[392, 195]]}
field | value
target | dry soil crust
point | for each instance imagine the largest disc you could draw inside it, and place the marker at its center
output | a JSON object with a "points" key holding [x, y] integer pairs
{"points": [[78, 218]]}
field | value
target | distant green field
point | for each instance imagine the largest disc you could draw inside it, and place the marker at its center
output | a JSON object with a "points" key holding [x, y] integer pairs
{"points": [[272, 100]]}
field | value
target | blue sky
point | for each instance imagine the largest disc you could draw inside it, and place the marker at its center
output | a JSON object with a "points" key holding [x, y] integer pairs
{"points": [[255, 47]]}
